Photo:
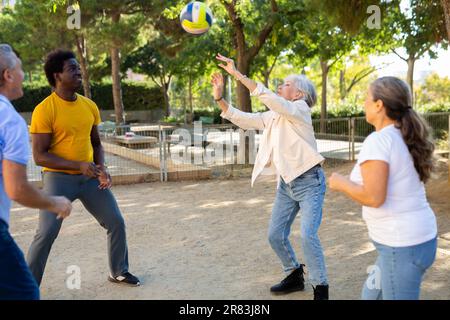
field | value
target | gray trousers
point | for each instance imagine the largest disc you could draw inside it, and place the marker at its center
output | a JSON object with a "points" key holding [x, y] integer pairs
{"points": [[100, 203]]}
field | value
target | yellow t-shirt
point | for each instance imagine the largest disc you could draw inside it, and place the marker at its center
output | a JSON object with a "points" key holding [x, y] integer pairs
{"points": [[70, 123]]}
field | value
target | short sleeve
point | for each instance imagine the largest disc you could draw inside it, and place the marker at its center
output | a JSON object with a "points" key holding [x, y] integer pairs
{"points": [[377, 146], [96, 111], [15, 140], [40, 121]]}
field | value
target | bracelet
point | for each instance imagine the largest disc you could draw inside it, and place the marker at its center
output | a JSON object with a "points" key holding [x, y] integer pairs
{"points": [[217, 100]]}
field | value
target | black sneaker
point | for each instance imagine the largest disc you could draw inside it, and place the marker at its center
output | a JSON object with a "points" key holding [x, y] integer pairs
{"points": [[293, 282], [321, 292], [126, 278]]}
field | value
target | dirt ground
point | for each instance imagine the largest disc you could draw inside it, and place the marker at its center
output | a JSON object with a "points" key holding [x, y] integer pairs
{"points": [[208, 240]]}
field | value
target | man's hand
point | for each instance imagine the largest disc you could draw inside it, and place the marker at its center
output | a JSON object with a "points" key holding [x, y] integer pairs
{"points": [[89, 169], [104, 178], [61, 206]]}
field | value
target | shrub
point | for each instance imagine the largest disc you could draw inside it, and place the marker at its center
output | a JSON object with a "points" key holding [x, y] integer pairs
{"points": [[136, 96]]}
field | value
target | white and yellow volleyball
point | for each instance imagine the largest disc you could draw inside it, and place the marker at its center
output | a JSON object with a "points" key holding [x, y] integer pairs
{"points": [[196, 18]]}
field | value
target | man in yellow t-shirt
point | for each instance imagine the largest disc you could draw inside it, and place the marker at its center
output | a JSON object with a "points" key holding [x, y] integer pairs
{"points": [[66, 143]]}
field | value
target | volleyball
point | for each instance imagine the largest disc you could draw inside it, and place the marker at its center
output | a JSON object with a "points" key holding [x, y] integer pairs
{"points": [[196, 18]]}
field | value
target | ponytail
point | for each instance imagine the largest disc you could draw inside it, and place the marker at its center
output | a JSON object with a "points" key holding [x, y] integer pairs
{"points": [[416, 135]]}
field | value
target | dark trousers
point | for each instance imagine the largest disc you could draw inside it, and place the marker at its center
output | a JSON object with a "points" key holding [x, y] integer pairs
{"points": [[16, 280], [100, 203]]}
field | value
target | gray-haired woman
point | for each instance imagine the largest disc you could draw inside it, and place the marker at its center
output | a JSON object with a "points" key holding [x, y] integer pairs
{"points": [[288, 150]]}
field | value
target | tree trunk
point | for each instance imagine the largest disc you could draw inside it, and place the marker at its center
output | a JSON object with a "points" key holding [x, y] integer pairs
{"points": [[191, 104], [30, 75], [323, 110], [410, 75], [115, 74], [242, 94], [164, 91], [82, 54], [266, 75], [446, 8], [116, 85], [342, 88]]}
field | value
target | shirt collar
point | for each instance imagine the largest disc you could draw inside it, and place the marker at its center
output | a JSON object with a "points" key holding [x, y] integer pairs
{"points": [[5, 99]]}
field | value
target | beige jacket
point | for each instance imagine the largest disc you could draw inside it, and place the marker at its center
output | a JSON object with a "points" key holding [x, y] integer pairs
{"points": [[288, 147]]}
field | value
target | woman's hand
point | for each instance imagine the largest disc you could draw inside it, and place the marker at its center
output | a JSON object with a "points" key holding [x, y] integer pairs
{"points": [[228, 66], [217, 82]]}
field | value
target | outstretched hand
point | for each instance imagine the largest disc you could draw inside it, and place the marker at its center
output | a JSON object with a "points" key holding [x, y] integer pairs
{"points": [[218, 84], [229, 64]]}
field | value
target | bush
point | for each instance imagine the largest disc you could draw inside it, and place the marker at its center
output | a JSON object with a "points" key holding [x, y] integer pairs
{"points": [[339, 111], [436, 107], [136, 96], [215, 114]]}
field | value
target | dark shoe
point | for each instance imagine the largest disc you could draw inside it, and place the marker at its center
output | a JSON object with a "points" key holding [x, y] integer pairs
{"points": [[321, 292], [126, 278], [293, 282]]}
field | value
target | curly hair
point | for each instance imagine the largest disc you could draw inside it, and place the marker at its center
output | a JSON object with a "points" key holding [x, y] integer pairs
{"points": [[54, 63]]}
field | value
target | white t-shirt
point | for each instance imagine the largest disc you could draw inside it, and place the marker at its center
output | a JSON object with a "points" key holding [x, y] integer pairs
{"points": [[405, 218]]}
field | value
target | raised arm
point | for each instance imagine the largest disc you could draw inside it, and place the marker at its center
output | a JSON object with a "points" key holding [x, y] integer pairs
{"points": [[297, 110], [244, 120]]}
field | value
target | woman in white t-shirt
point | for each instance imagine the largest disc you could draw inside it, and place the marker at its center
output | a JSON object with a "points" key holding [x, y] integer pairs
{"points": [[388, 180]]}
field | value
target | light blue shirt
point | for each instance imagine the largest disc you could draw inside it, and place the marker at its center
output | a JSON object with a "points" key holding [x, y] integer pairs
{"points": [[14, 146]]}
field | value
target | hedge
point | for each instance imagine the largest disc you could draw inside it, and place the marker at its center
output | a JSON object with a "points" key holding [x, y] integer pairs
{"points": [[136, 96]]}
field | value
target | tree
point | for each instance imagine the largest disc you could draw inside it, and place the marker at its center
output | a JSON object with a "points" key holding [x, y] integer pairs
{"points": [[329, 44], [331, 35], [153, 60], [86, 20], [420, 29], [446, 8], [246, 52], [117, 30], [116, 24], [33, 30], [434, 89], [350, 76]]}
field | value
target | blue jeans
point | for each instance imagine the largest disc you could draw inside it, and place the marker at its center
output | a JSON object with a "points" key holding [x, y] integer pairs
{"points": [[16, 281], [398, 271], [305, 194]]}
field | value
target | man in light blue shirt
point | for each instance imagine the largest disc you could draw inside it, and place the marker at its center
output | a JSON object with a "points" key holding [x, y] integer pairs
{"points": [[14, 147], [16, 280]]}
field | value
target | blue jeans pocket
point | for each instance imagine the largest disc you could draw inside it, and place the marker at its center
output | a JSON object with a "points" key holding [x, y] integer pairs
{"points": [[425, 254], [310, 181]]}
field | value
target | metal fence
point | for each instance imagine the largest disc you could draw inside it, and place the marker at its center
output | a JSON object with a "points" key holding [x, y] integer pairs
{"points": [[164, 152]]}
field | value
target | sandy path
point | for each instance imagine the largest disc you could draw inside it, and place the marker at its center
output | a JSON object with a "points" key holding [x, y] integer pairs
{"points": [[208, 240]]}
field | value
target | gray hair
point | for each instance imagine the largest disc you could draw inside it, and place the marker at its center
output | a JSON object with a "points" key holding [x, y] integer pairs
{"points": [[8, 60], [303, 84]]}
